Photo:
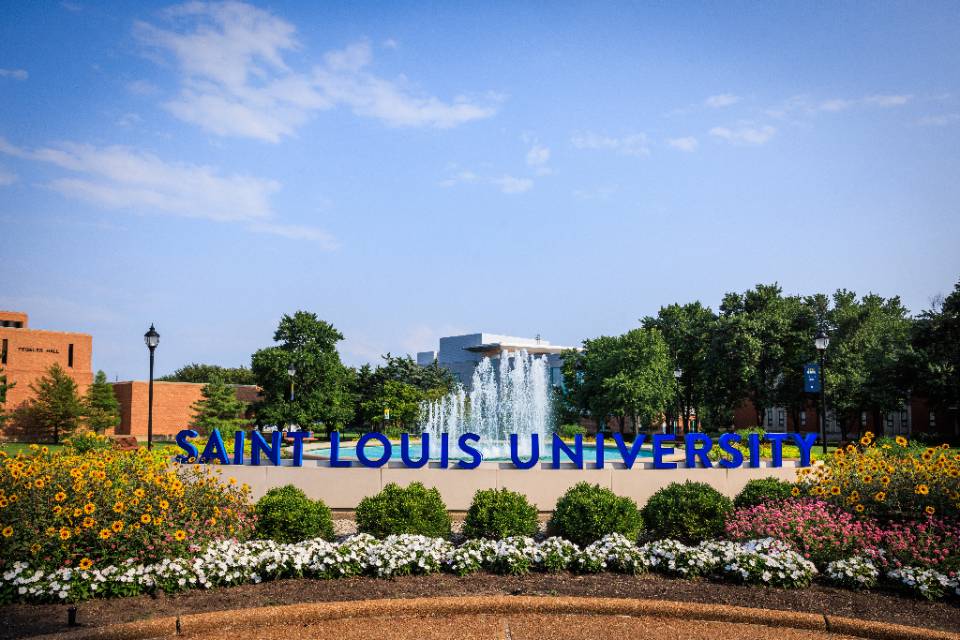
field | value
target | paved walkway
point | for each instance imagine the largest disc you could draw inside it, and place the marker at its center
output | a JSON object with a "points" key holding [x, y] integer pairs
{"points": [[520, 627]]}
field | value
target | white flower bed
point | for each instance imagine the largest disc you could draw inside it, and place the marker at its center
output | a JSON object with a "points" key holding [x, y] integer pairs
{"points": [[853, 573], [762, 562]]}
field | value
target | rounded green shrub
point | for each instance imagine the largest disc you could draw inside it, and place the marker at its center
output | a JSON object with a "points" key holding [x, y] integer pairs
{"points": [[411, 509], [286, 514], [689, 512], [587, 512], [500, 513], [570, 431], [763, 490]]}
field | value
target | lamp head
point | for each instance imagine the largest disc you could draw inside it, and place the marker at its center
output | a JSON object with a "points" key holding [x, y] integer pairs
{"points": [[151, 338], [822, 341]]}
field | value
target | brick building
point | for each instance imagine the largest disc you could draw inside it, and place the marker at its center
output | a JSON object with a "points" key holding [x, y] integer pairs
{"points": [[172, 406], [27, 354]]}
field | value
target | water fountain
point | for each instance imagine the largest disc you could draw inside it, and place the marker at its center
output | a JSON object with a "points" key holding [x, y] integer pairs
{"points": [[508, 396]]}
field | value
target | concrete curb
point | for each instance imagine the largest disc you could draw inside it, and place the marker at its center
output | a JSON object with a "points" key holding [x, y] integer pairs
{"points": [[305, 613]]}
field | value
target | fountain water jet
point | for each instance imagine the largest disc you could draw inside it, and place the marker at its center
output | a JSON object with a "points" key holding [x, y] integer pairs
{"points": [[511, 396]]}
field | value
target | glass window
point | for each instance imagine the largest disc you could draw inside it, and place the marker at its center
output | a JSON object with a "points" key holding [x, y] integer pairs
{"points": [[803, 418], [933, 419]]}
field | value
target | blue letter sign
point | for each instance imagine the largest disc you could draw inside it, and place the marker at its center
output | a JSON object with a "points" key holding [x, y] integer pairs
{"points": [[811, 378]]}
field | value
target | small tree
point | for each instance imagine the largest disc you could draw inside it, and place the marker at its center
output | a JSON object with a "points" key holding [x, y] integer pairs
{"points": [[4, 387], [101, 408], [219, 409], [56, 406]]}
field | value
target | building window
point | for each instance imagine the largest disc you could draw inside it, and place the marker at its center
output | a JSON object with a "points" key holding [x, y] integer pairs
{"points": [[803, 418], [933, 419], [769, 417], [3, 352], [70, 356], [889, 421], [781, 416], [863, 418], [903, 417]]}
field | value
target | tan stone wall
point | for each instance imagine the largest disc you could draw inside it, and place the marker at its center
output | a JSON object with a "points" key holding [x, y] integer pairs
{"points": [[344, 488]]}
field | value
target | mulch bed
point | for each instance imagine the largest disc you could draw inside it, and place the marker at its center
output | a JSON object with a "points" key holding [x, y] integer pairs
{"points": [[23, 620]]}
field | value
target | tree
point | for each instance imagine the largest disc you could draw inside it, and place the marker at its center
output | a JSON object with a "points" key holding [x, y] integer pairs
{"points": [[401, 398], [323, 385], [688, 330], [207, 373], [935, 366], [56, 406], [4, 387], [218, 409], [100, 406], [372, 395]]}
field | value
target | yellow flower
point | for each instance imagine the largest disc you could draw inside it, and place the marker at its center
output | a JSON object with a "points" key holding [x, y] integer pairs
{"points": [[879, 496], [118, 507], [39, 483], [164, 505], [929, 510], [117, 526], [89, 508], [105, 534], [901, 441], [835, 490], [858, 508], [35, 547], [795, 492], [57, 510], [64, 533], [7, 531], [88, 522], [60, 497], [923, 489], [180, 535], [85, 564], [145, 518], [139, 492]]}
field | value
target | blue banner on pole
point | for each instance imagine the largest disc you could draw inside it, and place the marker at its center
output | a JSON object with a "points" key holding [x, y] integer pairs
{"points": [[811, 378]]}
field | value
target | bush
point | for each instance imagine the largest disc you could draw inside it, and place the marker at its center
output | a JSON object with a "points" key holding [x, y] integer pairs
{"points": [[689, 512], [66, 509], [763, 490], [500, 513], [569, 431], [286, 514], [86, 441], [588, 512], [396, 510], [821, 532]]}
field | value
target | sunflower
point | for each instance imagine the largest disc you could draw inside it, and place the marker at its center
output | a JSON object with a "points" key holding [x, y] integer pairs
{"points": [[89, 508], [117, 526], [7, 531], [64, 533], [145, 518], [901, 441], [929, 510], [88, 522], [835, 490], [85, 564], [923, 489], [180, 535], [60, 496], [880, 496], [105, 534], [858, 508]]}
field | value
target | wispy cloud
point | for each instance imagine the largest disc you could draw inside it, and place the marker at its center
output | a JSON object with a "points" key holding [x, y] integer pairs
{"points": [[511, 184], [745, 134], [7, 177], [123, 178], [538, 156], [142, 88], [803, 104], [14, 74], [634, 144], [939, 120], [722, 100], [506, 183], [687, 143], [602, 192], [236, 81]]}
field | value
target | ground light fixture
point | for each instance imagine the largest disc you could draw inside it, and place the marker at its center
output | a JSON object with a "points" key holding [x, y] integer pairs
{"points": [[822, 341], [151, 338]]}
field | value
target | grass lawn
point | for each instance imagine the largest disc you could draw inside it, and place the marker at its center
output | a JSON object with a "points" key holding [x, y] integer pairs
{"points": [[13, 448]]}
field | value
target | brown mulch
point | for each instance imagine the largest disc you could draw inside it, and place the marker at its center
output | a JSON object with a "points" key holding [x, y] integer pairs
{"points": [[23, 620]]}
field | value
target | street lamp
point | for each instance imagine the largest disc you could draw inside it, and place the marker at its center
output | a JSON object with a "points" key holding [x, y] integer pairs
{"points": [[677, 373], [291, 371], [822, 341], [152, 339]]}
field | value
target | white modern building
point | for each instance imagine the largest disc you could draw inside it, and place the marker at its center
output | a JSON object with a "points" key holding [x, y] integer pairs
{"points": [[461, 354]]}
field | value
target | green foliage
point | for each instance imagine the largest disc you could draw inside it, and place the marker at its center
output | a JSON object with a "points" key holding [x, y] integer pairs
{"points": [[935, 366], [763, 490], [689, 512], [323, 385], [207, 373], [500, 513], [587, 512], [396, 509], [100, 405], [399, 384], [85, 441], [286, 514], [401, 398], [570, 431], [218, 409], [56, 407], [4, 387]]}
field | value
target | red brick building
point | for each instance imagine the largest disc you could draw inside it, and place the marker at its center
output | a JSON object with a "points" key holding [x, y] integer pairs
{"points": [[27, 354], [172, 406]]}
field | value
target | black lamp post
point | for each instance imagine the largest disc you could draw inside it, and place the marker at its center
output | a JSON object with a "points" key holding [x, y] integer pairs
{"points": [[677, 374], [291, 371], [822, 341], [152, 339]]}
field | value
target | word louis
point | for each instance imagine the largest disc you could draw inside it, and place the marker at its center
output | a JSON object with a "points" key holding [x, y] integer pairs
{"points": [[697, 447]]}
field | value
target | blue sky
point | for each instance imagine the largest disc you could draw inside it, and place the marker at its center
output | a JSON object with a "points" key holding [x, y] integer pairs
{"points": [[409, 171]]}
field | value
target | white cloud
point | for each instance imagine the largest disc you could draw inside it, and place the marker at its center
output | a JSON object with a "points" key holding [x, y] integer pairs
{"points": [[634, 144], [745, 134], [941, 120], [122, 178], [236, 81], [722, 100], [15, 74], [842, 104], [297, 232], [602, 192], [7, 177], [836, 104], [510, 184], [538, 155], [687, 143], [142, 88], [129, 119], [888, 101], [462, 177], [390, 43]]}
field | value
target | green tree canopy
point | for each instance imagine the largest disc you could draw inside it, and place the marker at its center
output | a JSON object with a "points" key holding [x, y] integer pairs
{"points": [[218, 409], [4, 387], [936, 346], [100, 406], [323, 385], [399, 384], [56, 407], [207, 373]]}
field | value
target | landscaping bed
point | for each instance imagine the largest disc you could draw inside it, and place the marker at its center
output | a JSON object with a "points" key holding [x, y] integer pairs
{"points": [[879, 605]]}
